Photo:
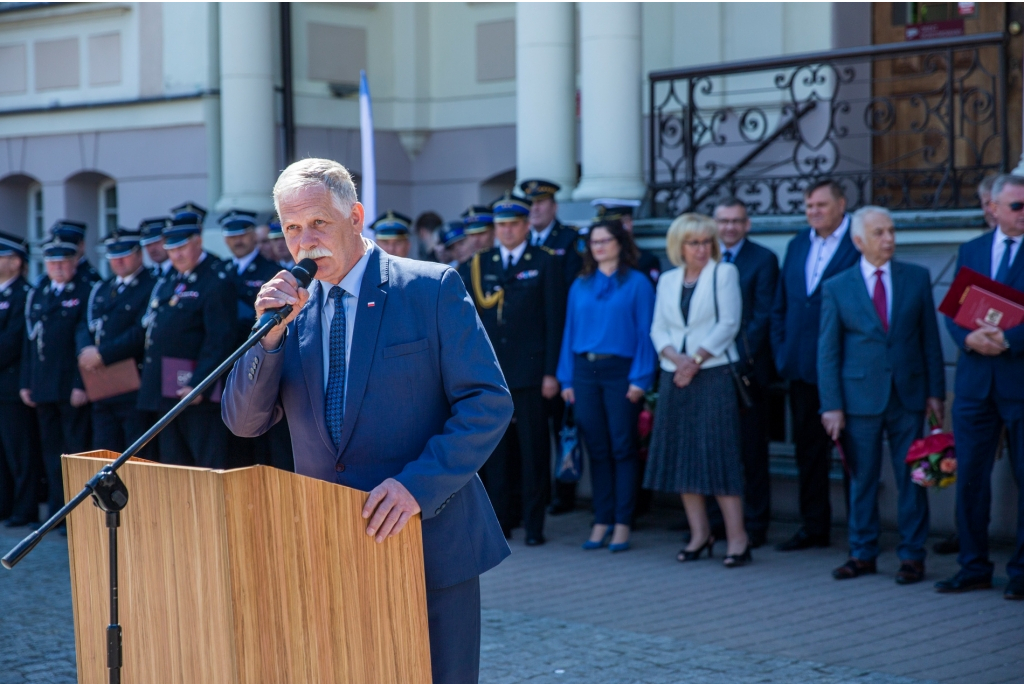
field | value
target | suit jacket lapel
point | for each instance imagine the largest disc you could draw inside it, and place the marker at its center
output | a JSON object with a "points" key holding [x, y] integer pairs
{"points": [[801, 248], [364, 339], [842, 252], [898, 286], [311, 354]]}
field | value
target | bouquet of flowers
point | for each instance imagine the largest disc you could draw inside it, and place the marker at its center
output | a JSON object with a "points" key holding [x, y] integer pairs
{"points": [[933, 459]]}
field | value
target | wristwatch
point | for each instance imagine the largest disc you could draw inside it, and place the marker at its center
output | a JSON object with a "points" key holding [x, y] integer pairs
{"points": [[698, 359]]}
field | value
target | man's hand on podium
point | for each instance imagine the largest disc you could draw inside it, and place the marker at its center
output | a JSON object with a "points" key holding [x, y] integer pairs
{"points": [[390, 506]]}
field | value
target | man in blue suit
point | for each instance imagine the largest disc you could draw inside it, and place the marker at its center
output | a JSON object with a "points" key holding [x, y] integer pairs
{"points": [[989, 396], [812, 257], [879, 369], [759, 272], [373, 333]]}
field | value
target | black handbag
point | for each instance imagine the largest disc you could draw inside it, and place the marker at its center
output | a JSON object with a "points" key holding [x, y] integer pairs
{"points": [[741, 380]]}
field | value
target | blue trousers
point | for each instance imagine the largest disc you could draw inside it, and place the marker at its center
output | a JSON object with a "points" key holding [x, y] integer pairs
{"points": [[607, 423], [977, 424], [863, 444], [453, 618]]}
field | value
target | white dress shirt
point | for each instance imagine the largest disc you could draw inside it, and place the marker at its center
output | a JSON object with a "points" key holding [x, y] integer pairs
{"points": [[350, 300], [821, 253], [7, 284], [165, 267], [242, 263], [999, 247], [127, 280], [538, 237], [516, 254], [867, 270], [733, 251]]}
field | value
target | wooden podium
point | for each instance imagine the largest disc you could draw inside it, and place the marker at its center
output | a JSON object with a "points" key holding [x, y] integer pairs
{"points": [[245, 576]]}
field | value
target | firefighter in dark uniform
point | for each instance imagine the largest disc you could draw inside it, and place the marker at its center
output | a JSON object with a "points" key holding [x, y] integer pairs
{"points": [[50, 380], [275, 236], [519, 293], [19, 439], [74, 232], [547, 230], [478, 221], [391, 232], [457, 249], [612, 208], [152, 241], [247, 271], [112, 332], [190, 328]]}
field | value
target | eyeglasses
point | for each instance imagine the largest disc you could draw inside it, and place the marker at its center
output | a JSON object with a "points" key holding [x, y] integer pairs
{"points": [[699, 243], [601, 241], [1016, 206], [729, 222]]}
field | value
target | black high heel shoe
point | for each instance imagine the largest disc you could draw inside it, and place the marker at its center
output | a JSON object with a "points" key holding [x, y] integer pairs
{"points": [[736, 560], [694, 555]]}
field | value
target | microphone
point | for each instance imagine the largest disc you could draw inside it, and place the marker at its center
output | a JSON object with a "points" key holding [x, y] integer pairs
{"points": [[303, 272]]}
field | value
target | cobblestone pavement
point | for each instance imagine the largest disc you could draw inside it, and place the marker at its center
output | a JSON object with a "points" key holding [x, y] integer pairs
{"points": [[558, 614]]}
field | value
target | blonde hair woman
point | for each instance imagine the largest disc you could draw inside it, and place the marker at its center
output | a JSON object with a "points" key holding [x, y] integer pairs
{"points": [[695, 444]]}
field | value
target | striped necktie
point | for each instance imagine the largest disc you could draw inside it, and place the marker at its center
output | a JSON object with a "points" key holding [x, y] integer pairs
{"points": [[334, 400]]}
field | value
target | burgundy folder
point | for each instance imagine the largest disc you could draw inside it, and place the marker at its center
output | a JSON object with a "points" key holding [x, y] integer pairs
{"points": [[110, 381], [177, 373], [974, 296]]}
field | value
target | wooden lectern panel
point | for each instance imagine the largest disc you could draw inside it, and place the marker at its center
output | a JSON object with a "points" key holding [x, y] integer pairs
{"points": [[251, 575]]}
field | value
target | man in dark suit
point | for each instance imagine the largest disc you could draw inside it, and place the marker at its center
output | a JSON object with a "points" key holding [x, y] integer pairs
{"points": [[372, 328], [880, 369], [518, 292], [152, 232], [191, 327], [812, 257], [989, 396], [19, 441], [50, 379], [112, 332], [759, 273]]}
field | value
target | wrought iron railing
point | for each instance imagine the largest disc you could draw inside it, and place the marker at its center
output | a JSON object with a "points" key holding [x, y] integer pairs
{"points": [[911, 125]]}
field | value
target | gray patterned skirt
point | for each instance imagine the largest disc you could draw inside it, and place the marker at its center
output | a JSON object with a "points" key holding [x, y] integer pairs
{"points": [[695, 443]]}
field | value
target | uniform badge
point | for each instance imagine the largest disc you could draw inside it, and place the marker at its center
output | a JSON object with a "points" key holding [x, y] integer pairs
{"points": [[524, 275], [495, 258], [73, 302], [192, 277], [69, 287], [528, 256], [7, 293]]}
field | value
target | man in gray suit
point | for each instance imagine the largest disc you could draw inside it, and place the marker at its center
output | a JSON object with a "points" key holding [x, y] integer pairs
{"points": [[879, 370], [390, 385]]}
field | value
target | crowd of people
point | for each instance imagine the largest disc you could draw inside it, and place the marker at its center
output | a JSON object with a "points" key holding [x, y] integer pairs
{"points": [[587, 328]]}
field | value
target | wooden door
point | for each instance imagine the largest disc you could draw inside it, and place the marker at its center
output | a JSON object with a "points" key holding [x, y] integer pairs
{"points": [[921, 123]]}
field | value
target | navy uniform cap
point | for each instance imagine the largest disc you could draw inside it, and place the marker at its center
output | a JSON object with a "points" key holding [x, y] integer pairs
{"points": [[58, 249], [122, 243], [275, 230], [183, 226], [189, 207], [613, 208], [152, 229], [453, 233], [69, 231], [392, 225], [477, 219], [12, 244], [237, 221], [539, 189], [511, 207]]}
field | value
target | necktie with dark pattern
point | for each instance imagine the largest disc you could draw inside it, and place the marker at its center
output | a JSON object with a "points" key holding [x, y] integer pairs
{"points": [[334, 400], [1004, 264]]}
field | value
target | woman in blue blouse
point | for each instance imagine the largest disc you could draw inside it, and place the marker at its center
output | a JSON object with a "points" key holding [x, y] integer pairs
{"points": [[606, 364]]}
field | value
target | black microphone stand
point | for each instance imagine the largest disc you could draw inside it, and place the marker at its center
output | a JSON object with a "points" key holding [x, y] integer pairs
{"points": [[110, 494]]}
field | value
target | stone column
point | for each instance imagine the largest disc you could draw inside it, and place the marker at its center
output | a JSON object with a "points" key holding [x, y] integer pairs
{"points": [[546, 93], [248, 131], [610, 103]]}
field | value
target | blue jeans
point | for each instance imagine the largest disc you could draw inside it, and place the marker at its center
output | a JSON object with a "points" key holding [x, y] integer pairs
{"points": [[863, 444], [977, 424], [607, 424]]}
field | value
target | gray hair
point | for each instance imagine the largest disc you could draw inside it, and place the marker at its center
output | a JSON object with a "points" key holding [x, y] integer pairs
{"points": [[1004, 180], [985, 186], [327, 173], [857, 221]]}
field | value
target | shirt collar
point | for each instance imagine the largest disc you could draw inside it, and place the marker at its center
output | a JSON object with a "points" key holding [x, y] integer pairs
{"points": [[735, 249], [517, 253], [869, 269], [1001, 237], [837, 234], [353, 280], [543, 235], [241, 263], [128, 279], [7, 284], [202, 258]]}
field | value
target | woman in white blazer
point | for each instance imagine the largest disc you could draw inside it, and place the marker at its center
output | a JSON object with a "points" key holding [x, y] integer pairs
{"points": [[695, 444]]}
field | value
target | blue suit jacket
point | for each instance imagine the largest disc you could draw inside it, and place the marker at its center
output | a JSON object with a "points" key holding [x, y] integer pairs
{"points": [[977, 376], [795, 314], [759, 273], [426, 404], [859, 363]]}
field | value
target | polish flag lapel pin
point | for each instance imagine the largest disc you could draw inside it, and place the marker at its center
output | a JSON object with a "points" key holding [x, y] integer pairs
{"points": [[371, 304]]}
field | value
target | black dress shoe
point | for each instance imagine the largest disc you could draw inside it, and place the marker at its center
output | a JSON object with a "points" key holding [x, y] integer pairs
{"points": [[911, 571], [535, 541], [950, 545], [854, 568], [558, 507], [803, 541], [1015, 588], [962, 582]]}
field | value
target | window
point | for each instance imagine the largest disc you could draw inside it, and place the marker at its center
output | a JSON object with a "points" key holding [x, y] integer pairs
{"points": [[36, 230], [108, 209]]}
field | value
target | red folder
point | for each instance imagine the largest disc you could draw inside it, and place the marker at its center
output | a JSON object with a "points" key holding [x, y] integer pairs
{"points": [[974, 296], [110, 381], [177, 373]]}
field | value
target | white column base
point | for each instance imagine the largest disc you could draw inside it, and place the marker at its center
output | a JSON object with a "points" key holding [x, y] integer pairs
{"points": [[624, 187]]}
